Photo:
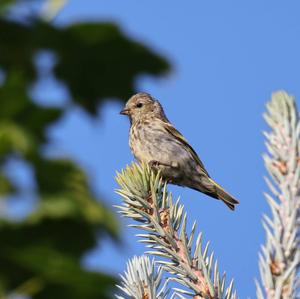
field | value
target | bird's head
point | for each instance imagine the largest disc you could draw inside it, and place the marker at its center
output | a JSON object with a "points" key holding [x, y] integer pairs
{"points": [[142, 105]]}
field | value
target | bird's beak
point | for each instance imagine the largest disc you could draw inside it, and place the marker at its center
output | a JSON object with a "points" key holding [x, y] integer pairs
{"points": [[125, 111]]}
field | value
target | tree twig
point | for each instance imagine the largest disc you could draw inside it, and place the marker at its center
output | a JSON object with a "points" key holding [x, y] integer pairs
{"points": [[279, 260], [145, 200]]}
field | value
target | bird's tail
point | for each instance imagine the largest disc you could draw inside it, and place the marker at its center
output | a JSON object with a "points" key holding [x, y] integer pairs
{"points": [[221, 194]]}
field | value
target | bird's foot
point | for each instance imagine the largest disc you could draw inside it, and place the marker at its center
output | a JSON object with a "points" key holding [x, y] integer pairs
{"points": [[154, 164], [157, 164]]}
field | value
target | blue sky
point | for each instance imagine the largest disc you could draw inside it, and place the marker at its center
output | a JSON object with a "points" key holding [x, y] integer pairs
{"points": [[227, 57]]}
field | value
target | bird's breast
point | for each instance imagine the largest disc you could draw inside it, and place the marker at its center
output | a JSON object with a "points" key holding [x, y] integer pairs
{"points": [[150, 141], [141, 142]]}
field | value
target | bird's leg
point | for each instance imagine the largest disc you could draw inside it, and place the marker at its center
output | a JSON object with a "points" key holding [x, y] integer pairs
{"points": [[155, 164]]}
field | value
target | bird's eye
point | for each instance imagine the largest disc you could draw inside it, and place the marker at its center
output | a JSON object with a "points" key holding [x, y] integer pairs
{"points": [[139, 105]]}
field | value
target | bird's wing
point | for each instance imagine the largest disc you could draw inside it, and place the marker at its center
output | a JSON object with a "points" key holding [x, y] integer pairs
{"points": [[171, 130]]}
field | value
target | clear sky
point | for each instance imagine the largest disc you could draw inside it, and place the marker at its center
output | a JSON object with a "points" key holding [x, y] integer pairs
{"points": [[228, 57]]}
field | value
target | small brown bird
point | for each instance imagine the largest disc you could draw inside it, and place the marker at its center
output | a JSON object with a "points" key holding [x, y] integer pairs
{"points": [[155, 141]]}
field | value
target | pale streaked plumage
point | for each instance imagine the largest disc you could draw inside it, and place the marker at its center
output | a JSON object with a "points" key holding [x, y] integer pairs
{"points": [[154, 140]]}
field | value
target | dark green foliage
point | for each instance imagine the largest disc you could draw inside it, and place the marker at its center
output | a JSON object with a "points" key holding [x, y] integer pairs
{"points": [[41, 254], [95, 60]]}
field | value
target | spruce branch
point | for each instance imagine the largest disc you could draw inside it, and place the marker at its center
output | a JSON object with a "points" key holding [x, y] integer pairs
{"points": [[145, 200], [142, 280], [279, 260]]}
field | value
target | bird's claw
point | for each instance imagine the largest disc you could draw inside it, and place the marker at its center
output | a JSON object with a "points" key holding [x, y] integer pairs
{"points": [[154, 164]]}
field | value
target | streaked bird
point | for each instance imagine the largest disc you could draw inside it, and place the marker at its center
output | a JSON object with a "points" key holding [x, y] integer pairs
{"points": [[155, 141]]}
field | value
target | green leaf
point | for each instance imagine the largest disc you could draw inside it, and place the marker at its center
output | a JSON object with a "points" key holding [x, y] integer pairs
{"points": [[4, 4], [65, 192], [62, 273], [16, 107], [6, 186], [14, 138], [70, 206], [98, 61]]}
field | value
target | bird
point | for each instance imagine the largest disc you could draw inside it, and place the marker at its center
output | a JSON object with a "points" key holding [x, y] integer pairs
{"points": [[155, 141]]}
